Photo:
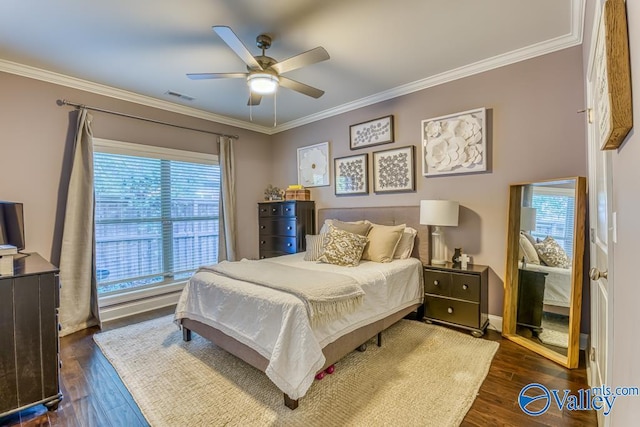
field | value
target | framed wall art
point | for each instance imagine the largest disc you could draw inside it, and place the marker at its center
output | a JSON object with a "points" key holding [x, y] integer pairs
{"points": [[612, 77], [373, 132], [313, 165], [351, 175], [455, 143], [393, 170]]}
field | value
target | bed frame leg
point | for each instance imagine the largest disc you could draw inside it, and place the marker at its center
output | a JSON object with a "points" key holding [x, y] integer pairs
{"points": [[290, 403], [186, 334], [379, 339]]}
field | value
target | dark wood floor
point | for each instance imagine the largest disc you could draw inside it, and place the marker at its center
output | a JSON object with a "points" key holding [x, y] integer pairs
{"points": [[95, 396]]}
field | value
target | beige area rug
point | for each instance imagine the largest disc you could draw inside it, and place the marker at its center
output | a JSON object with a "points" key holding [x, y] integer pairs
{"points": [[555, 330], [422, 375]]}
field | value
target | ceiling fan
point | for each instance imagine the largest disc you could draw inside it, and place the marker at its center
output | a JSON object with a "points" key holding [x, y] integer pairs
{"points": [[263, 72]]}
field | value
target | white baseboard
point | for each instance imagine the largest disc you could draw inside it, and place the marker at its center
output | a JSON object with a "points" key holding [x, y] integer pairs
{"points": [[495, 323], [118, 311]]}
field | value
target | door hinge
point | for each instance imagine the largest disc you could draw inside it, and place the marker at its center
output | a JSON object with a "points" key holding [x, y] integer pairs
{"points": [[592, 356], [592, 235]]}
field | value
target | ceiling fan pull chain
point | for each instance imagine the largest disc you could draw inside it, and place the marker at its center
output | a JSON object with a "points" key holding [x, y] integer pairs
{"points": [[250, 106], [275, 95]]}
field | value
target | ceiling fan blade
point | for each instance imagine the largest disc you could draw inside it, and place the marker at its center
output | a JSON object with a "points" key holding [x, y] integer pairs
{"points": [[309, 57], [301, 87], [205, 76], [230, 38], [254, 99]]}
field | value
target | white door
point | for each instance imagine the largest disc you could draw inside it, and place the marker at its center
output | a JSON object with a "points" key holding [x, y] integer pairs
{"points": [[601, 223]]}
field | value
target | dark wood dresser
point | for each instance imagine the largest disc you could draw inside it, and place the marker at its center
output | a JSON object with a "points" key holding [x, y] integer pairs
{"points": [[282, 226], [29, 362], [457, 297], [530, 298]]}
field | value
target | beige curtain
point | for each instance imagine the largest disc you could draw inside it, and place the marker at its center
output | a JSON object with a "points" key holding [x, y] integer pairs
{"points": [[78, 294], [227, 217]]}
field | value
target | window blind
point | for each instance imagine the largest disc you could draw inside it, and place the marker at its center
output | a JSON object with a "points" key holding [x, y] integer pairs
{"points": [[555, 209], [156, 218]]}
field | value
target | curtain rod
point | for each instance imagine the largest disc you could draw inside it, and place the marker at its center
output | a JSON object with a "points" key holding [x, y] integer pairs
{"points": [[62, 102]]}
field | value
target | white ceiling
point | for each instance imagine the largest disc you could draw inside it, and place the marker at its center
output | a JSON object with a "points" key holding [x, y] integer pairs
{"points": [[139, 50]]}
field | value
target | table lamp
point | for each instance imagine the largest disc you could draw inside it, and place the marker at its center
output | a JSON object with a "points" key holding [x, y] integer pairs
{"points": [[527, 219], [439, 213]]}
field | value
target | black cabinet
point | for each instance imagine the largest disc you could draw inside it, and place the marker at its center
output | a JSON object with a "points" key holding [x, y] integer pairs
{"points": [[29, 362], [530, 298], [457, 297], [282, 226]]}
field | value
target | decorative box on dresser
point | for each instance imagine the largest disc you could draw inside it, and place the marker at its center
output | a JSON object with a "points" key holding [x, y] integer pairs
{"points": [[29, 361], [457, 297], [282, 226]]}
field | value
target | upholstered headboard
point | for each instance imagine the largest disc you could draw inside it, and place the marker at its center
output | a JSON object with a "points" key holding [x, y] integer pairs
{"points": [[387, 215]]}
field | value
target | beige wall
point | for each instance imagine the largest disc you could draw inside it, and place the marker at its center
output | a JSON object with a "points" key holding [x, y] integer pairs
{"points": [[624, 289], [36, 139], [534, 134]]}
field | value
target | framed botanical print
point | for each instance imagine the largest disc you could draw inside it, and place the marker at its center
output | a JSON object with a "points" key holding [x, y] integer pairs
{"points": [[351, 175], [373, 132], [393, 170], [313, 165]]}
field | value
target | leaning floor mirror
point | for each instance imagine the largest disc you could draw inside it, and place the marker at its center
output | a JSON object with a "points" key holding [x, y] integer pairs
{"points": [[543, 280]]}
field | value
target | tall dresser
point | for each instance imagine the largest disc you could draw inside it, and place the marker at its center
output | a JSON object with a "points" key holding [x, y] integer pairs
{"points": [[282, 226], [29, 335]]}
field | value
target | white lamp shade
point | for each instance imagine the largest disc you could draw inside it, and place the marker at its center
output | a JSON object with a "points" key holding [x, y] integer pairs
{"points": [[527, 218], [439, 212], [263, 83]]}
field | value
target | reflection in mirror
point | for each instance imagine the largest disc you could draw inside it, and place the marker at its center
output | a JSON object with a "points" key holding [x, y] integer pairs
{"points": [[543, 286]]}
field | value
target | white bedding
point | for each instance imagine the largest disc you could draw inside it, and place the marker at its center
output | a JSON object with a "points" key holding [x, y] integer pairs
{"points": [[276, 324], [557, 284]]}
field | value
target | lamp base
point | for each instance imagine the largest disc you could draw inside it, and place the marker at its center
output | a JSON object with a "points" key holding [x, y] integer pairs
{"points": [[439, 249]]}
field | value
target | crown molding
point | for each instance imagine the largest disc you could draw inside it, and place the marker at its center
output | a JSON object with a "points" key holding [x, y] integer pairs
{"points": [[124, 95], [574, 38]]}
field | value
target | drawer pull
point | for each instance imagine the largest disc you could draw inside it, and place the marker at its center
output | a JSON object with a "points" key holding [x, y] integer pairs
{"points": [[465, 287], [450, 310], [262, 242], [289, 228], [289, 244], [261, 256], [287, 209], [274, 210], [436, 282], [262, 227]]}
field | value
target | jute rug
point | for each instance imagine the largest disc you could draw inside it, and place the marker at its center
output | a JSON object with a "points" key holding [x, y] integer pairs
{"points": [[555, 330], [422, 375]]}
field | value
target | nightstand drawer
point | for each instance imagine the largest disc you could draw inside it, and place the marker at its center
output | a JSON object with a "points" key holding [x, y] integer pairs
{"points": [[466, 287], [452, 311], [436, 282], [279, 226]]}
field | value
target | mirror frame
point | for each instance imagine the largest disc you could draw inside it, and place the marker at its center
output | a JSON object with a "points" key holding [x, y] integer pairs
{"points": [[511, 276]]}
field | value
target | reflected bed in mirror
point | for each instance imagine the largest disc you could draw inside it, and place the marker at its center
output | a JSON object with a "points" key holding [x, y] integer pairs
{"points": [[543, 282]]}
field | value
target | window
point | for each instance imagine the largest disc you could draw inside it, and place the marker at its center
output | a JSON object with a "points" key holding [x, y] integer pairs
{"points": [[554, 215], [156, 216]]}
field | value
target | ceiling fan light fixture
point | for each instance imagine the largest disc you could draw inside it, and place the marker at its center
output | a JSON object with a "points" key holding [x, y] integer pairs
{"points": [[263, 83]]}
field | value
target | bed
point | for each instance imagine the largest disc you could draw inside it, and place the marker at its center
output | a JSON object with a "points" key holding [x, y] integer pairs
{"points": [[557, 285], [283, 343]]}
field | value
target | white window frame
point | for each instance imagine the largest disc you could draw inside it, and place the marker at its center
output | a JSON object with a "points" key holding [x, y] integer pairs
{"points": [[140, 150]]}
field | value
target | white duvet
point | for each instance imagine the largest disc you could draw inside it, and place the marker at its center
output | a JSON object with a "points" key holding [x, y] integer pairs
{"points": [[276, 324]]}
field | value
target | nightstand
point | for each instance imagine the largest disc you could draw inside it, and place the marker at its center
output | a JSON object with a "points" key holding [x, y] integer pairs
{"points": [[530, 298], [457, 297]]}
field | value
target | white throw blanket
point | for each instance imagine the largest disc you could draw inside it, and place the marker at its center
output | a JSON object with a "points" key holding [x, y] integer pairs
{"points": [[327, 296]]}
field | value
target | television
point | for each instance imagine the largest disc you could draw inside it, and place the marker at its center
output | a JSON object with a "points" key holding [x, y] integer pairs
{"points": [[12, 224]]}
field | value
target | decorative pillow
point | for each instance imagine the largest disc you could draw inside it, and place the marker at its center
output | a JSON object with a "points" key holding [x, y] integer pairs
{"points": [[314, 247], [529, 237], [552, 253], [383, 240], [325, 226], [355, 228], [527, 250], [342, 247], [405, 245]]}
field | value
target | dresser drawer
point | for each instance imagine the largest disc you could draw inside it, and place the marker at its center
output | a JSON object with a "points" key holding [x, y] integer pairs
{"points": [[286, 245], [277, 226], [466, 287], [452, 311], [437, 282]]}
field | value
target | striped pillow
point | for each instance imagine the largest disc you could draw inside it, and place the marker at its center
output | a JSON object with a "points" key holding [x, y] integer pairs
{"points": [[315, 248]]}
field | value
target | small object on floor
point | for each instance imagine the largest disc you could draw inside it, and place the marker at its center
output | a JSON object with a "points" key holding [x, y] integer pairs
{"points": [[330, 370], [320, 375]]}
